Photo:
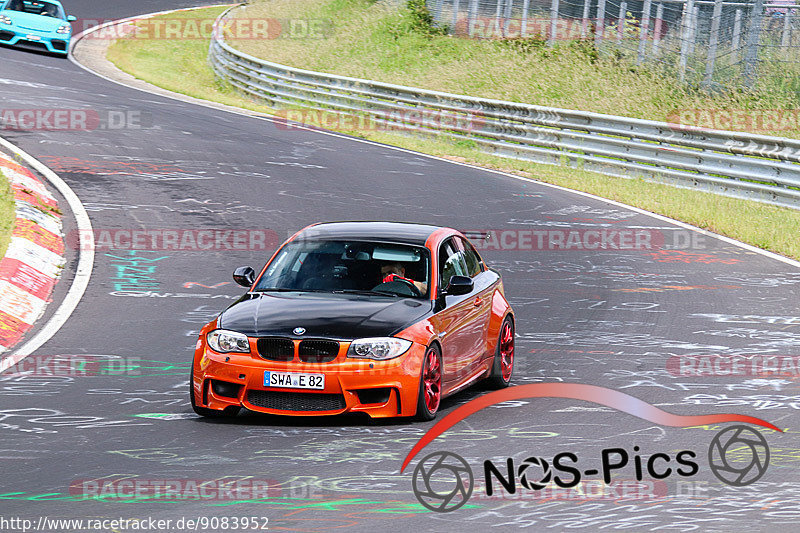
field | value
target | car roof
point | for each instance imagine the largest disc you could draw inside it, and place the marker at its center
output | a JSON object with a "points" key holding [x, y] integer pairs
{"points": [[399, 232]]}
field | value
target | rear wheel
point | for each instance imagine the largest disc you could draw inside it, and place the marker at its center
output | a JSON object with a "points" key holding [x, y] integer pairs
{"points": [[430, 384], [228, 412], [503, 365]]}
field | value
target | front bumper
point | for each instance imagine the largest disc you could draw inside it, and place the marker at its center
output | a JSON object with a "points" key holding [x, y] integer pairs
{"points": [[35, 40], [378, 388]]}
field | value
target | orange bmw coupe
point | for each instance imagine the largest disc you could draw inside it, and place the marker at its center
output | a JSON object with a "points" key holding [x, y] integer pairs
{"points": [[384, 318]]}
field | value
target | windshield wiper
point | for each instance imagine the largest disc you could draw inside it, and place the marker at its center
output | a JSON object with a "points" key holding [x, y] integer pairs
{"points": [[285, 289], [357, 291], [334, 291]]}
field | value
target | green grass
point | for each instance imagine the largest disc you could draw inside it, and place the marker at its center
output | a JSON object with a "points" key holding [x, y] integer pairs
{"points": [[178, 65], [181, 66], [7, 214], [380, 42]]}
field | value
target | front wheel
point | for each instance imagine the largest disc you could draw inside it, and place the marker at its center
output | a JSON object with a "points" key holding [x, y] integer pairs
{"points": [[503, 365], [430, 385]]}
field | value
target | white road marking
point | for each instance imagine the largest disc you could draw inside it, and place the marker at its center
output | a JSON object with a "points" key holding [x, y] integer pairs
{"points": [[85, 261]]}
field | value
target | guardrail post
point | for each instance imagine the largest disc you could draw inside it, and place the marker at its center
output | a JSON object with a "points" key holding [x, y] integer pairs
{"points": [[686, 27], [751, 48], [523, 29], [658, 28], [623, 9], [787, 30], [643, 30], [551, 39], [599, 28], [713, 41]]}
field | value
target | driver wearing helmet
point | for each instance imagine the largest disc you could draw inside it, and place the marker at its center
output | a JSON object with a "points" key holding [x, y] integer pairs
{"points": [[396, 272]]}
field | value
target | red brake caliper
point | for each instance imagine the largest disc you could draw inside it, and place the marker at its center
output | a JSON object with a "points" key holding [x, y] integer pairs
{"points": [[431, 380], [506, 351]]}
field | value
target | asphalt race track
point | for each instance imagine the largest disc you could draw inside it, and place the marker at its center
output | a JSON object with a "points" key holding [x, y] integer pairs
{"points": [[609, 317]]}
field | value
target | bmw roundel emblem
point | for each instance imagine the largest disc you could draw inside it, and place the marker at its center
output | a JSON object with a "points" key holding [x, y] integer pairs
{"points": [[299, 331]]}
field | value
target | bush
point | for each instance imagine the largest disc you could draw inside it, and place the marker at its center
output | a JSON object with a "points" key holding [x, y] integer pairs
{"points": [[422, 21]]}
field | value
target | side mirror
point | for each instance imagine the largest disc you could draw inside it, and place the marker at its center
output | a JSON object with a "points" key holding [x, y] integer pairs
{"points": [[459, 285], [244, 276], [71, 18]]}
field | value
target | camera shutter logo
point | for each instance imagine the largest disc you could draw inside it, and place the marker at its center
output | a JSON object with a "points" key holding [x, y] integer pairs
{"points": [[525, 473], [443, 482], [738, 455]]}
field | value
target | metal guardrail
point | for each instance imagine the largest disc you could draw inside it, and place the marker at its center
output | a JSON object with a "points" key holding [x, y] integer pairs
{"points": [[756, 167]]}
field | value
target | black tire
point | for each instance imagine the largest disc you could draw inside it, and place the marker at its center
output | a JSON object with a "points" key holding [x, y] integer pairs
{"points": [[228, 412], [424, 413], [497, 379]]}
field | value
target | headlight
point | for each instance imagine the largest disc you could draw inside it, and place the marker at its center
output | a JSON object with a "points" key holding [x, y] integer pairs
{"points": [[64, 29], [380, 348], [5, 20], [224, 341]]}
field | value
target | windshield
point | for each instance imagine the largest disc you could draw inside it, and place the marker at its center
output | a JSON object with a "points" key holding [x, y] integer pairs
{"points": [[349, 266], [46, 9]]}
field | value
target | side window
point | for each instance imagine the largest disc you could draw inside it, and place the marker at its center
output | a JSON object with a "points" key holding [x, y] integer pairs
{"points": [[471, 258], [451, 263]]}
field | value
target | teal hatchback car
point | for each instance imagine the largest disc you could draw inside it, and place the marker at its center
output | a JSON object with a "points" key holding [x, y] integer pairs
{"points": [[36, 24]]}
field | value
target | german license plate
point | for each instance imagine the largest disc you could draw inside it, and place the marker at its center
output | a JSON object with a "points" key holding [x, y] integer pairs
{"points": [[294, 380]]}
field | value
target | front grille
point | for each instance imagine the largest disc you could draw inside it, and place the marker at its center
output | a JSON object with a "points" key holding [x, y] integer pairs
{"points": [[6, 35], [296, 401], [275, 348], [35, 45], [59, 45], [313, 351]]}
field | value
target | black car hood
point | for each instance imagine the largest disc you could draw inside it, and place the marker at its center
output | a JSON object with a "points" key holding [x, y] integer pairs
{"points": [[339, 316]]}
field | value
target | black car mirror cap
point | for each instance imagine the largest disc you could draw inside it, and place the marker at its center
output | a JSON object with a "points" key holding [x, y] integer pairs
{"points": [[459, 285], [244, 276]]}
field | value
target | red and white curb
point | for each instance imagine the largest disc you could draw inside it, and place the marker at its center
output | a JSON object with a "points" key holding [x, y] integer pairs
{"points": [[83, 272], [35, 255]]}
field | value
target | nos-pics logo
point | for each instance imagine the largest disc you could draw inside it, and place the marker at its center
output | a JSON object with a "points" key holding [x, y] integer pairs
{"points": [[443, 481]]}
